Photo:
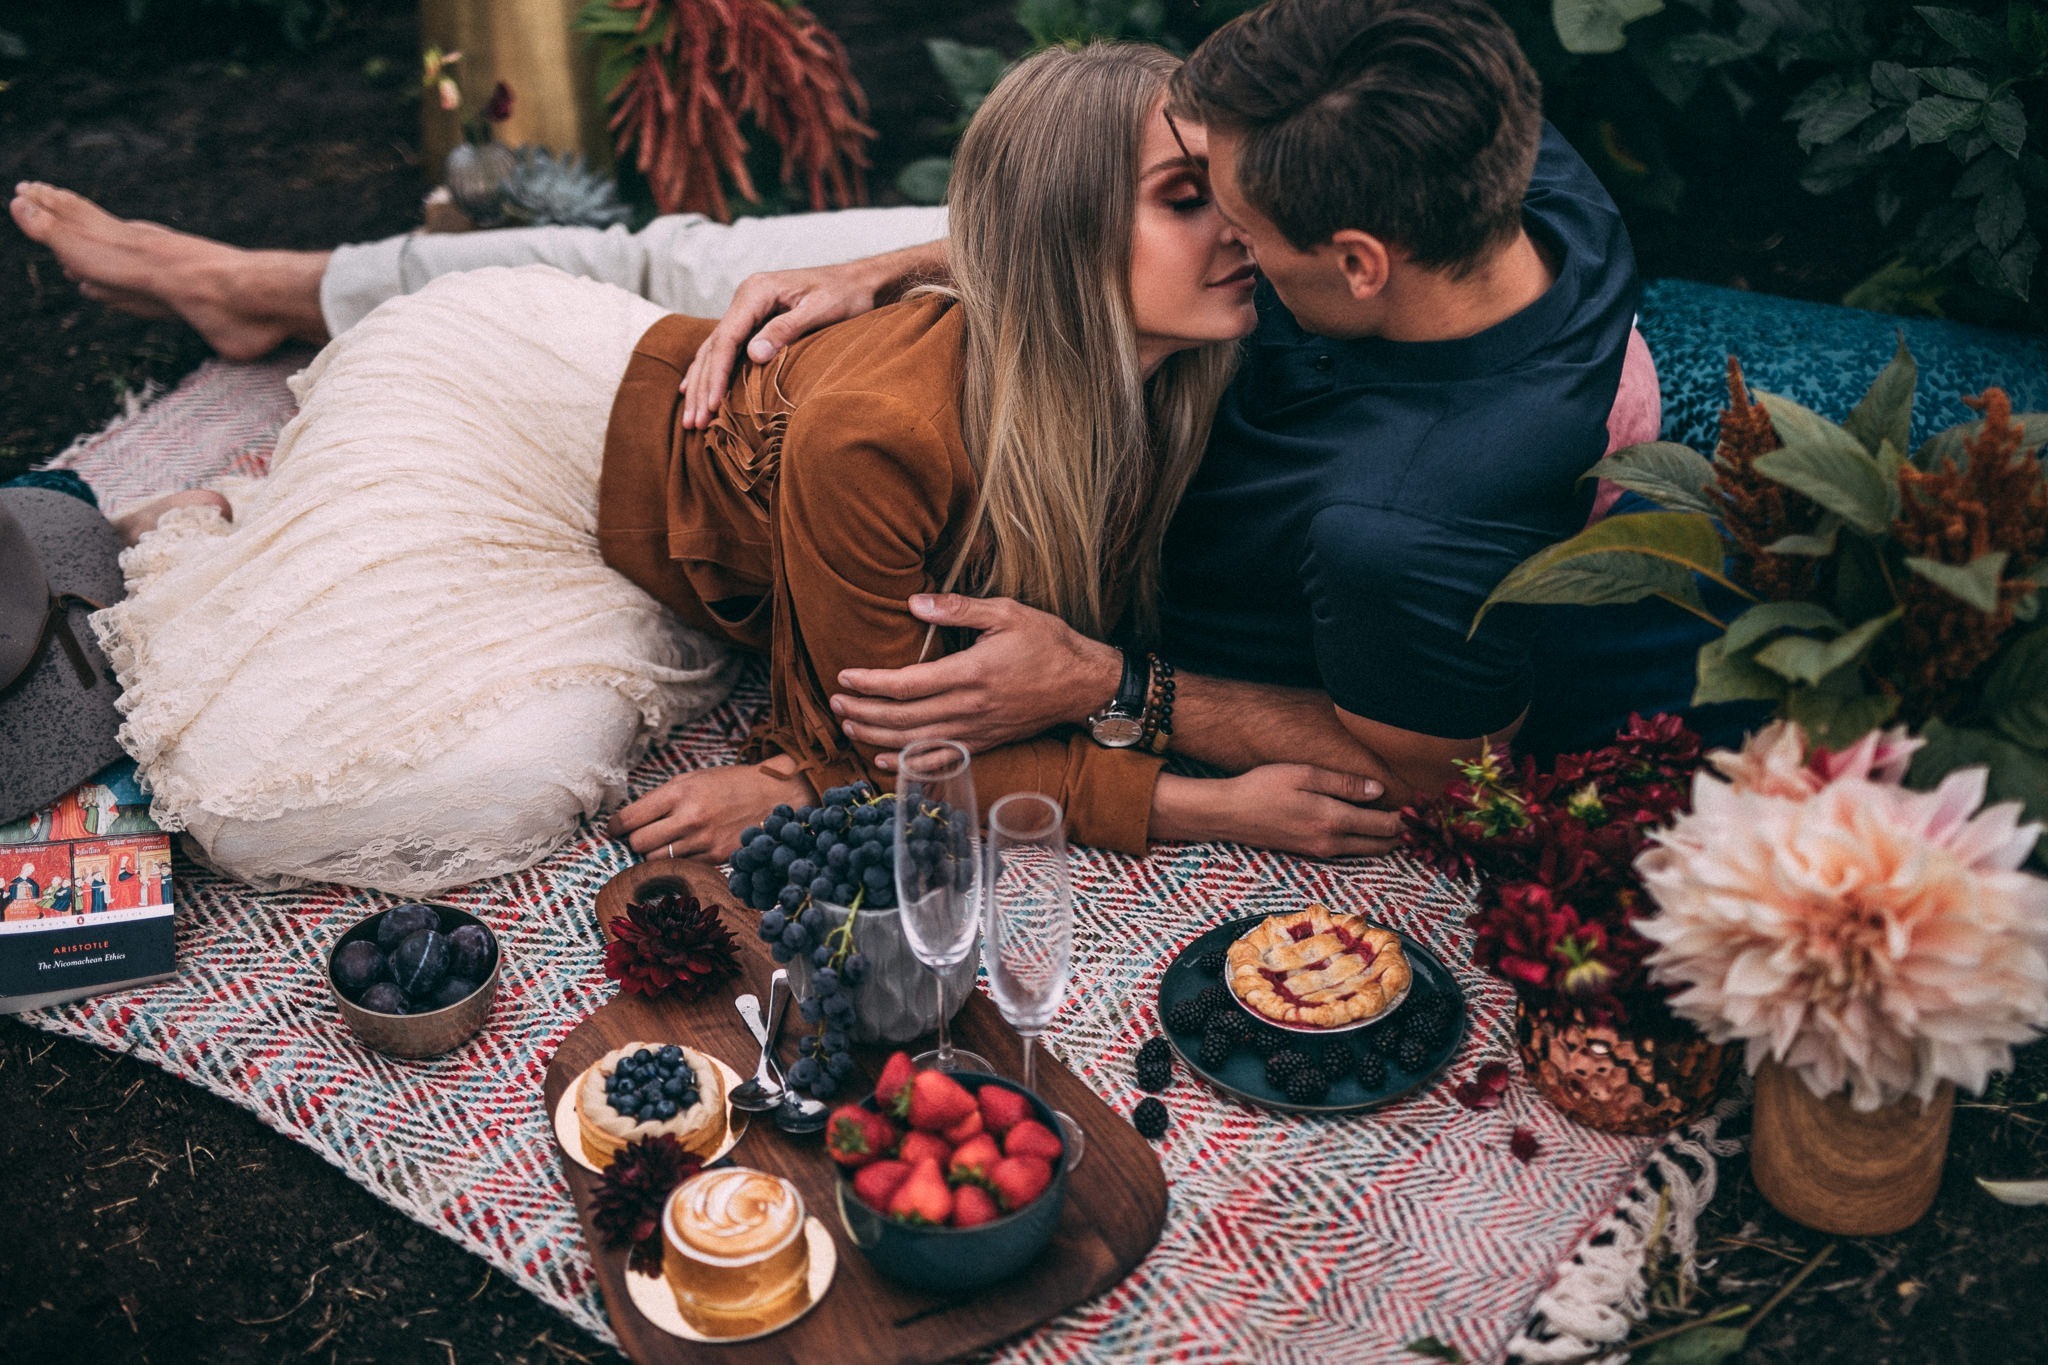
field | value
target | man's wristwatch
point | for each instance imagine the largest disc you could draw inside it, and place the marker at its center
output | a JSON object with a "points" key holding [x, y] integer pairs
{"points": [[1121, 724]]}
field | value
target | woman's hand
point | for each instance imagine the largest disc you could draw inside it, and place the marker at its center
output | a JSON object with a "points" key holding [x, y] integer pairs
{"points": [[1290, 807], [701, 814]]}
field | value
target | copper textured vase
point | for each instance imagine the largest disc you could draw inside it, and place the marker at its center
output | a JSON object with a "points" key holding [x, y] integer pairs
{"points": [[1614, 1080], [1836, 1169]]}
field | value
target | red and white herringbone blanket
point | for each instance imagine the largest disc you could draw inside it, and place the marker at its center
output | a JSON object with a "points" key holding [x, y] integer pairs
{"points": [[1286, 1238]]}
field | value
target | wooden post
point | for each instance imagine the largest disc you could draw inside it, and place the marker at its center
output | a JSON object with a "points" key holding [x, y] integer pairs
{"points": [[528, 45]]}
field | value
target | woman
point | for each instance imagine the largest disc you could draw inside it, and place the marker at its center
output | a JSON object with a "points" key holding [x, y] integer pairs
{"points": [[405, 666]]}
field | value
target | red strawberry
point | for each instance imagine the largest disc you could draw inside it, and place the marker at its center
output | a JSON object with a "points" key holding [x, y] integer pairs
{"points": [[1002, 1108], [855, 1136], [877, 1182], [1032, 1138], [923, 1197], [972, 1206], [937, 1101], [965, 1128], [891, 1095], [1017, 1180], [974, 1159], [924, 1147]]}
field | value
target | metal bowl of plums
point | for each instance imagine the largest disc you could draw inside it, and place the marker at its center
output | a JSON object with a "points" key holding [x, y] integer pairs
{"points": [[415, 980]]}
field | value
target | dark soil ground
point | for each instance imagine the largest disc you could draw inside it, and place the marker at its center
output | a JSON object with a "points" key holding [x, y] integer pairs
{"points": [[148, 1220]]}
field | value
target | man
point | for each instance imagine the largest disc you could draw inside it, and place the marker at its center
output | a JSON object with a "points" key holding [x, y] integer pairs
{"points": [[1440, 345]]}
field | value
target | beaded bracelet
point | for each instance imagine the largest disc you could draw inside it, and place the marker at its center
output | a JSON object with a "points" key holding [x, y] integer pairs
{"points": [[1158, 732]]}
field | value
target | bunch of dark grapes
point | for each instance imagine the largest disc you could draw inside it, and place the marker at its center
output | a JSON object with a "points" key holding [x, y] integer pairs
{"points": [[841, 853]]}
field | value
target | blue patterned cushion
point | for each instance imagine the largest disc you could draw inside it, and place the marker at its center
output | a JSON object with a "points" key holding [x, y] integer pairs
{"points": [[1823, 356]]}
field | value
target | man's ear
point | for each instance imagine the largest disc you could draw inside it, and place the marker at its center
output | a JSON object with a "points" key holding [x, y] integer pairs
{"points": [[1365, 261]]}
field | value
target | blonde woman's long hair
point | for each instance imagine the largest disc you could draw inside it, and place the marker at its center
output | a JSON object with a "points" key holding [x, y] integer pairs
{"points": [[1081, 460]]}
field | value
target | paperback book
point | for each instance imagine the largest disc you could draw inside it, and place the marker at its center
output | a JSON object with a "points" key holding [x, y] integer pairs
{"points": [[86, 903]]}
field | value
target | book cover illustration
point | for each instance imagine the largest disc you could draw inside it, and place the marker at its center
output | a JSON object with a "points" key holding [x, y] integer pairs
{"points": [[86, 901]]}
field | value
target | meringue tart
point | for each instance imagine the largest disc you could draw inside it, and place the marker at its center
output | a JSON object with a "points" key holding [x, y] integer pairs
{"points": [[733, 1251], [644, 1090], [1315, 968]]}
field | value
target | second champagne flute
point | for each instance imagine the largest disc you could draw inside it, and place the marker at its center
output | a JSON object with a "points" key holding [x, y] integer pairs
{"points": [[938, 873], [1029, 930]]}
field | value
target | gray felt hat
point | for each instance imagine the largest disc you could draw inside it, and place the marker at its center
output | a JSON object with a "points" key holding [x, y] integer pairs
{"points": [[59, 560]]}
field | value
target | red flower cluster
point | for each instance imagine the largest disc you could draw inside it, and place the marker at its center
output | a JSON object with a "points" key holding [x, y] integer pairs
{"points": [[667, 940], [1555, 854]]}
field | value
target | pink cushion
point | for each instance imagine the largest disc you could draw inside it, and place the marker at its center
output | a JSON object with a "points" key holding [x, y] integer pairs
{"points": [[1637, 415]]}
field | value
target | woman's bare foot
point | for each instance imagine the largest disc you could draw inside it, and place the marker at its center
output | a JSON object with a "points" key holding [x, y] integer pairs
{"points": [[134, 525], [245, 303]]}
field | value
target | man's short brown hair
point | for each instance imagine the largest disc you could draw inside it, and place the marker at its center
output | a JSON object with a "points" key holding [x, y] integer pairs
{"points": [[1414, 120]]}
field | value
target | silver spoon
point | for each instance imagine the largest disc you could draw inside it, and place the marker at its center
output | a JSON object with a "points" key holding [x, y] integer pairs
{"points": [[764, 1090], [800, 1113]]}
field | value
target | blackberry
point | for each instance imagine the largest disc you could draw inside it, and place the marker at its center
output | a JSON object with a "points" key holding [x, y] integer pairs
{"points": [[1433, 1028], [1217, 1045], [1149, 1118], [1281, 1066], [1386, 1039], [1187, 1016], [1371, 1070], [1210, 964], [1232, 1022], [1415, 1052], [1338, 1056], [1307, 1086], [1216, 1000], [1266, 1041], [1155, 1065]]}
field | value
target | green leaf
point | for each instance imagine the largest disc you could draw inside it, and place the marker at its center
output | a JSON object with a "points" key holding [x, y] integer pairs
{"points": [[2021, 1192], [1711, 49], [1937, 118], [1975, 583], [923, 181], [1612, 577], [1722, 674], [1833, 121], [1965, 32], [1676, 477], [969, 72], [1893, 81], [1435, 1349], [1803, 659], [2017, 773], [1687, 539], [1766, 617], [1708, 1345], [2005, 123], [2001, 213], [1817, 545], [1948, 445], [1836, 716], [2016, 266], [2016, 693], [1885, 412], [1828, 465], [1588, 26], [1958, 81]]}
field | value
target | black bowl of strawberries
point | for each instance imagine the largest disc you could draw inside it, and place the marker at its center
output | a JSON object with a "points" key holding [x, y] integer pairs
{"points": [[948, 1181]]}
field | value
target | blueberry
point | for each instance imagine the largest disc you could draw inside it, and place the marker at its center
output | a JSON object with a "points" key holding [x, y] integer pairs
{"points": [[420, 962], [358, 966], [642, 1058], [452, 991], [469, 952], [673, 1087], [383, 998], [664, 1109], [401, 922], [671, 1053]]}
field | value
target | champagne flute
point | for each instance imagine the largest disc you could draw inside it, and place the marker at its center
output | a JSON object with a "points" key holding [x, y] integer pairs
{"points": [[938, 873], [1030, 925]]}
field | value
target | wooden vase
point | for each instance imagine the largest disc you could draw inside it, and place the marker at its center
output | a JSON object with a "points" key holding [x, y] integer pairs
{"points": [[528, 45], [1835, 1169]]}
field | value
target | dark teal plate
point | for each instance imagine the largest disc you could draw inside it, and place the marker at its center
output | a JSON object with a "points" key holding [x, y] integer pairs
{"points": [[1244, 1074]]}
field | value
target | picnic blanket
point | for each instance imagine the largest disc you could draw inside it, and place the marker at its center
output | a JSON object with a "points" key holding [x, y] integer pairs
{"points": [[1287, 1238]]}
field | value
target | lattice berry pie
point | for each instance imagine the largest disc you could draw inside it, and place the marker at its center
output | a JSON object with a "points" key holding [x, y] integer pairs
{"points": [[1318, 969]]}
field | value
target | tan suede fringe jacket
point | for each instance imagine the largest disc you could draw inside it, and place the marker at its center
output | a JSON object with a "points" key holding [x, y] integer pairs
{"points": [[832, 486]]}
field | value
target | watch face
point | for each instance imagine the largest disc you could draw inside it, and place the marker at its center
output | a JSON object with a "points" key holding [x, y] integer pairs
{"points": [[1116, 732]]}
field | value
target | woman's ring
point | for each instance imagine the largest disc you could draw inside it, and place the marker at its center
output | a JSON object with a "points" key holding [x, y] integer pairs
{"points": [[671, 851]]}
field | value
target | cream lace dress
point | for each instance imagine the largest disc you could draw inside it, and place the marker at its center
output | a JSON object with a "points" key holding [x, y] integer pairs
{"points": [[402, 664]]}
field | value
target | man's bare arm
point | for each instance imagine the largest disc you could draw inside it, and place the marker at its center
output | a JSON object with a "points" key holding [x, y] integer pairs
{"points": [[774, 308]]}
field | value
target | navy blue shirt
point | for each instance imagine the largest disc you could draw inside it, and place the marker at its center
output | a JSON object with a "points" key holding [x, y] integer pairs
{"points": [[1359, 499]]}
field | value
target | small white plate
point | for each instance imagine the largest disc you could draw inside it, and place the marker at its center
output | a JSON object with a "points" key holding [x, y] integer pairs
{"points": [[657, 1302], [570, 1134]]}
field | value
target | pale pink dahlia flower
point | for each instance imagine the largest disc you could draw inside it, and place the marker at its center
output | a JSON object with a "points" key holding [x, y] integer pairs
{"points": [[1861, 934]]}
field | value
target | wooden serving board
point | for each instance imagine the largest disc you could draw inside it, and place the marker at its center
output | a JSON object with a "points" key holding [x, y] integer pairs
{"points": [[1116, 1198]]}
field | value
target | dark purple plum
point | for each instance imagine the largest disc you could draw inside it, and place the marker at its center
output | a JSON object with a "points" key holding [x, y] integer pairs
{"points": [[401, 922], [359, 966], [420, 962], [453, 991], [469, 952], [384, 998]]}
